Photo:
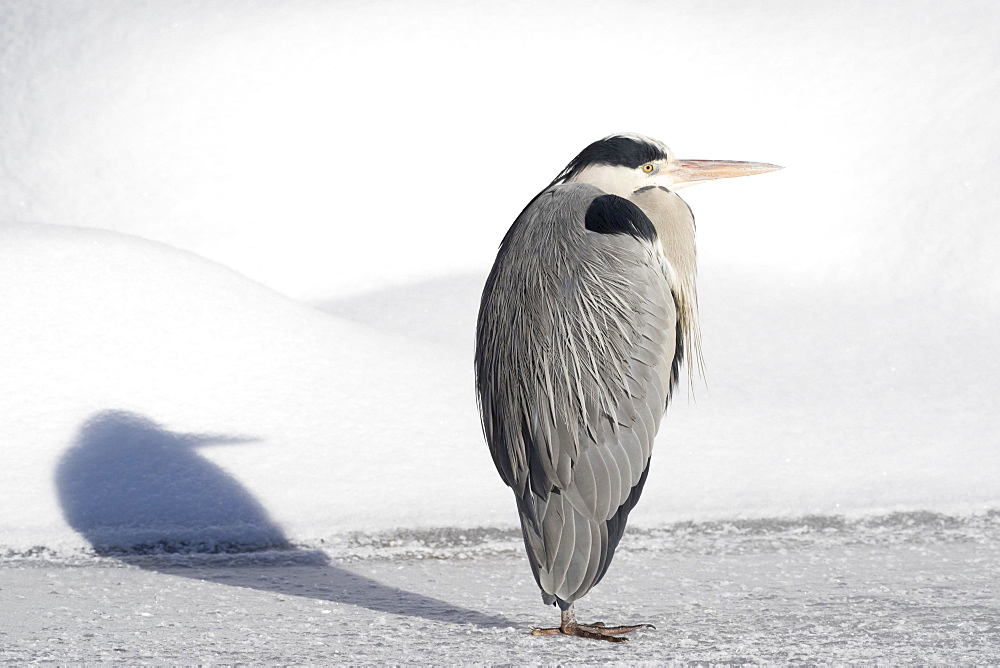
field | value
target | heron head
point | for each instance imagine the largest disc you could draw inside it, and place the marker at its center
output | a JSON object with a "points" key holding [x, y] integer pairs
{"points": [[624, 163]]}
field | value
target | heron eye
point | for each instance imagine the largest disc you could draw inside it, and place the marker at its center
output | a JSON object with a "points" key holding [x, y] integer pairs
{"points": [[648, 168]]}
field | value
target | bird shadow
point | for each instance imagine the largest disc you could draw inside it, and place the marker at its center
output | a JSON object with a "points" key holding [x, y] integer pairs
{"points": [[141, 494]]}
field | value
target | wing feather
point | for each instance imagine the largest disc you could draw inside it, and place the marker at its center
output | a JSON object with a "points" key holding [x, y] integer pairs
{"points": [[576, 338], [578, 562], [566, 544]]}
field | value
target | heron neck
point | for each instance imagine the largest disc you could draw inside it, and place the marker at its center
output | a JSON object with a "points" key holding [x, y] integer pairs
{"points": [[675, 230]]}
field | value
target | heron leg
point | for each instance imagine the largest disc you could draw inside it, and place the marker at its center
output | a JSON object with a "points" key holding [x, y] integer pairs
{"points": [[595, 631]]}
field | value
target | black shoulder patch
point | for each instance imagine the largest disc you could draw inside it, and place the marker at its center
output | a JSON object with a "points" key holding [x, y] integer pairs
{"points": [[611, 214]]}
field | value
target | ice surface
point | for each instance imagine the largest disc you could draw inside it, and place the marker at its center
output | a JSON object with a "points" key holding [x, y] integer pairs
{"points": [[915, 588]]}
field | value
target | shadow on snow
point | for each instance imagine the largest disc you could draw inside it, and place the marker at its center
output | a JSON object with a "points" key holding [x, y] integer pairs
{"points": [[140, 493]]}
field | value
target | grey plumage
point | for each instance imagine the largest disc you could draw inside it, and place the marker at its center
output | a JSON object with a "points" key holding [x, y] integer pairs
{"points": [[596, 334], [585, 319]]}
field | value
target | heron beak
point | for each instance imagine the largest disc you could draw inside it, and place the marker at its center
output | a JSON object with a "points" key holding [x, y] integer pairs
{"points": [[682, 172]]}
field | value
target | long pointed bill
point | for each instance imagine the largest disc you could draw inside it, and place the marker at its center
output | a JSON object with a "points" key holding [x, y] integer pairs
{"points": [[692, 171]]}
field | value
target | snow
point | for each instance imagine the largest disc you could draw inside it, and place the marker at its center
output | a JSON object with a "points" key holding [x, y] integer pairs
{"points": [[150, 374], [242, 244], [150, 392], [278, 139]]}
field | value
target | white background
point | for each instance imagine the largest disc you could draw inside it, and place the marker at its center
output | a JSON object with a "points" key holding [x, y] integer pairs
{"points": [[366, 158]]}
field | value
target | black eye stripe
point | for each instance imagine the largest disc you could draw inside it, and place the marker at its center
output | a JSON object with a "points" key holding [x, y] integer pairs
{"points": [[616, 150]]}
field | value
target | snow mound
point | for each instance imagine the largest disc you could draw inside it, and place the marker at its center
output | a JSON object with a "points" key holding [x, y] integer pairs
{"points": [[148, 392], [156, 401]]}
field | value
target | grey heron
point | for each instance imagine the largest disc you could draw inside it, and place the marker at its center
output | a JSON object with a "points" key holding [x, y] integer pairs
{"points": [[586, 318]]}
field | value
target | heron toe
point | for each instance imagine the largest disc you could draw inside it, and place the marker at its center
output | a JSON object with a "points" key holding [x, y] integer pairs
{"points": [[595, 631]]}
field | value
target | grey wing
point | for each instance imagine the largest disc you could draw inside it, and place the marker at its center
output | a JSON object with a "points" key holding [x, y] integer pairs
{"points": [[576, 341]]}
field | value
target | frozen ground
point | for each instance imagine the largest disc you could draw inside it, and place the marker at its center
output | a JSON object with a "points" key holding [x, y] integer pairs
{"points": [[908, 588]]}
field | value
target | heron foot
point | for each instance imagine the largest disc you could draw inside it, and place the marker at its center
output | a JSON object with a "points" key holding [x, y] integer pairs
{"points": [[595, 631]]}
